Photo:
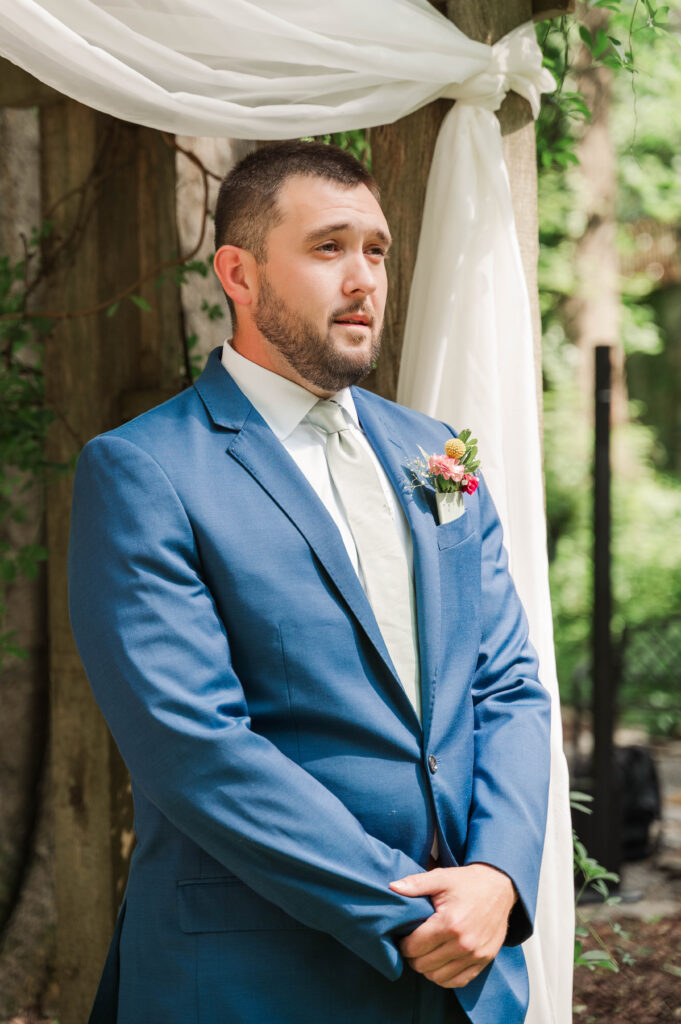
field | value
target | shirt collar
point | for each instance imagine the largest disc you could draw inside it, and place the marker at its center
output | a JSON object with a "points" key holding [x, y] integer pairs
{"points": [[281, 402]]}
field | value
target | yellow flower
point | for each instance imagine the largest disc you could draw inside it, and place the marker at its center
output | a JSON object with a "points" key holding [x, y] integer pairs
{"points": [[455, 448]]}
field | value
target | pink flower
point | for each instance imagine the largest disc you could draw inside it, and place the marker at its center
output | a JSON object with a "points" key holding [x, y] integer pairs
{"points": [[442, 465], [470, 483]]}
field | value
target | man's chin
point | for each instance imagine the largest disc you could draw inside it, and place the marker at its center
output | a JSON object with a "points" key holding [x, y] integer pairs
{"points": [[355, 346], [348, 373]]}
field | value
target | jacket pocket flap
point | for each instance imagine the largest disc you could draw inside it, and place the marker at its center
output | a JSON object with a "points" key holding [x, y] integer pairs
{"points": [[456, 531], [227, 904]]}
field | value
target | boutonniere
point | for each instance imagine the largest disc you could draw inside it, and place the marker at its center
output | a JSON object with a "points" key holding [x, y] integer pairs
{"points": [[451, 474]]}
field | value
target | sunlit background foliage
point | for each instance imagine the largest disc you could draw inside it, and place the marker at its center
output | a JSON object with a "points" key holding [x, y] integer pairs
{"points": [[642, 44]]}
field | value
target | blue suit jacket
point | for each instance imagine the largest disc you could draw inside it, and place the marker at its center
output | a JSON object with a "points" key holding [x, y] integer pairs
{"points": [[280, 776]]}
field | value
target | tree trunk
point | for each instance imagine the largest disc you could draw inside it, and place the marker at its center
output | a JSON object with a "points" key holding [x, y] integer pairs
{"points": [[594, 311], [117, 222], [26, 877]]}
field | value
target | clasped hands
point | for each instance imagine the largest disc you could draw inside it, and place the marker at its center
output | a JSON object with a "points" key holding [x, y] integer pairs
{"points": [[472, 905]]}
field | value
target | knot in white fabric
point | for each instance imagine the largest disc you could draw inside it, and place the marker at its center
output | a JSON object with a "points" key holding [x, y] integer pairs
{"points": [[387, 579], [515, 64], [328, 416]]}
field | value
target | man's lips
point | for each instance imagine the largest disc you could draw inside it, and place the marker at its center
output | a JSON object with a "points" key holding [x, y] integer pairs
{"points": [[353, 321]]}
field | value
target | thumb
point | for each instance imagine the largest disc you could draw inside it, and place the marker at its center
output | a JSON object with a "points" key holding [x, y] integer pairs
{"points": [[423, 884]]}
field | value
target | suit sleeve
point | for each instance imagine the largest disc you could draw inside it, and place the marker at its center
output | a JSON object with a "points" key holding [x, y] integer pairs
{"points": [[158, 659], [511, 743]]}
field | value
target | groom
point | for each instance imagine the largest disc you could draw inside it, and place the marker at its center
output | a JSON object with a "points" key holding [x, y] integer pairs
{"points": [[320, 690]]}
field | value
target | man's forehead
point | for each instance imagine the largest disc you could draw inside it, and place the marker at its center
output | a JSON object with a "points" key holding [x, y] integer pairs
{"points": [[308, 201]]}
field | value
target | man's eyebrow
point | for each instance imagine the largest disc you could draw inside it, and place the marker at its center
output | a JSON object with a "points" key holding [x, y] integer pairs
{"points": [[334, 229]]}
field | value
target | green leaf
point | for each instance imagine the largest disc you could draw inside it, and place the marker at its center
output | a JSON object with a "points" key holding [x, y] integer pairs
{"points": [[111, 311], [212, 310], [600, 43], [197, 267], [586, 36], [598, 956], [579, 801], [141, 303], [8, 571]]}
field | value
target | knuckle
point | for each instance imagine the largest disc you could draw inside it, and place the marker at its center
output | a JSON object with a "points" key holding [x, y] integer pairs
{"points": [[465, 977], [450, 925]]}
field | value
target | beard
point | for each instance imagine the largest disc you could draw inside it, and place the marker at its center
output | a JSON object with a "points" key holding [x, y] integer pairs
{"points": [[313, 354]]}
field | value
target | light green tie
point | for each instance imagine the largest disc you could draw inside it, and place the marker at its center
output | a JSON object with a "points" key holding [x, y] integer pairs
{"points": [[387, 579]]}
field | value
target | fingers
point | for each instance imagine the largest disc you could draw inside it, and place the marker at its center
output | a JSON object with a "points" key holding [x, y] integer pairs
{"points": [[448, 966], [426, 938], [468, 927], [426, 883], [445, 953], [456, 974]]}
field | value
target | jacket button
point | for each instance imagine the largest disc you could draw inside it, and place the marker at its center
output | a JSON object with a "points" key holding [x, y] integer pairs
{"points": [[432, 763]]}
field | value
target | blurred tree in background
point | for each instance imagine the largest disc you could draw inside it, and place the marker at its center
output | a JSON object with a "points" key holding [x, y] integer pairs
{"points": [[610, 272]]}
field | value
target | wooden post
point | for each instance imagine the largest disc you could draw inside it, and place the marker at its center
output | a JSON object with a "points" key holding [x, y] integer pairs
{"points": [[605, 824], [104, 236], [402, 153]]}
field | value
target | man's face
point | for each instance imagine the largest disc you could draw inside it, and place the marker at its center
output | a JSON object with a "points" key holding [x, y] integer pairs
{"points": [[322, 290]]}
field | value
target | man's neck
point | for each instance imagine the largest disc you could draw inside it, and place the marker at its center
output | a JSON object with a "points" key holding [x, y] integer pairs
{"points": [[258, 350]]}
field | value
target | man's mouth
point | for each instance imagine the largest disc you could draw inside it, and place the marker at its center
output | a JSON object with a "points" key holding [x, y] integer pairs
{"points": [[353, 320]]}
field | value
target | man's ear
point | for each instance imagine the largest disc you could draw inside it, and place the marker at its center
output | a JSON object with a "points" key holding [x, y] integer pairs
{"points": [[235, 270]]}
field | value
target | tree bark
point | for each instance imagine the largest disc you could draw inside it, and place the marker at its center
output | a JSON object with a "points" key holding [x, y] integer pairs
{"points": [[26, 878], [594, 311], [104, 237]]}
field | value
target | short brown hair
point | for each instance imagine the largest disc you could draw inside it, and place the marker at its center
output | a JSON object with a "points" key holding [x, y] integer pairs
{"points": [[246, 208]]}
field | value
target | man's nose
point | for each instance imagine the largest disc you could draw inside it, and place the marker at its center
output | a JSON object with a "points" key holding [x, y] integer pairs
{"points": [[359, 276]]}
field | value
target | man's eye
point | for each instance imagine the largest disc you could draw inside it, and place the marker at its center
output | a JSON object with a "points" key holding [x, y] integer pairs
{"points": [[327, 247], [378, 250]]}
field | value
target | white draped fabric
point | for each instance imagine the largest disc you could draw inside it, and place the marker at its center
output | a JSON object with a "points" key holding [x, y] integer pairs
{"points": [[268, 69]]}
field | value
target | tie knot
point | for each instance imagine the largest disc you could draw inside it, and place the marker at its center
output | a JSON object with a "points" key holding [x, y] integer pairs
{"points": [[328, 416]]}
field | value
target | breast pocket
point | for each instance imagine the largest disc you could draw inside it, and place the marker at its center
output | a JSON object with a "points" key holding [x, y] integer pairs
{"points": [[455, 532]]}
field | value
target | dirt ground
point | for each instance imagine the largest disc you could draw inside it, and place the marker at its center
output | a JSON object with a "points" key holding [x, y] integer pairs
{"points": [[647, 988], [645, 991]]}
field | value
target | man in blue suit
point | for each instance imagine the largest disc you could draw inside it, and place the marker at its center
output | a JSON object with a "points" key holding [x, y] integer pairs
{"points": [[326, 698]]}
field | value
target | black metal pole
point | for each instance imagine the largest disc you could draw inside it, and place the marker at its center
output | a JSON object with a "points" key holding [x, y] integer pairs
{"points": [[606, 809]]}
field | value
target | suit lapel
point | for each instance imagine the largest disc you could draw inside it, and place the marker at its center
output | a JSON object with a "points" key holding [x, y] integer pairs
{"points": [[262, 455], [419, 513]]}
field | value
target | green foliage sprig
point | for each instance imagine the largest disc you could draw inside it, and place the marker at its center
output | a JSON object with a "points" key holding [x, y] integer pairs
{"points": [[611, 47], [592, 875]]}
